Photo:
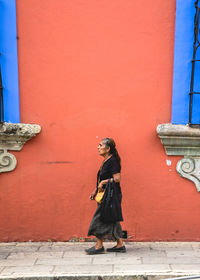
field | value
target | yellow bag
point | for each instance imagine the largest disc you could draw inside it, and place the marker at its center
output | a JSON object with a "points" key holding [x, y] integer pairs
{"points": [[99, 197]]}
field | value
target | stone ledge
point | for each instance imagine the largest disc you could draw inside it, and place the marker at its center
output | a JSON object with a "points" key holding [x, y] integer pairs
{"points": [[179, 140], [177, 130], [14, 135]]}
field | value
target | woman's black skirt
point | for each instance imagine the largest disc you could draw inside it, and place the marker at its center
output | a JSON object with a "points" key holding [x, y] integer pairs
{"points": [[102, 230]]}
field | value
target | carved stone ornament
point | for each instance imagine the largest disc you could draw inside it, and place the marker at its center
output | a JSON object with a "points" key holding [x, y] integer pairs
{"points": [[182, 140], [189, 168], [12, 137]]}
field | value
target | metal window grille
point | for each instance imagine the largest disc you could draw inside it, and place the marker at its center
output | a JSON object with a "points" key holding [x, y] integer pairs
{"points": [[1, 99], [196, 45]]}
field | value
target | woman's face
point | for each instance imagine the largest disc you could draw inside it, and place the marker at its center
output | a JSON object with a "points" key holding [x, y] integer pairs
{"points": [[103, 149]]}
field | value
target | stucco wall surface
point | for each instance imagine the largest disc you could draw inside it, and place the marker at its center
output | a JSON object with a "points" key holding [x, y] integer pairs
{"points": [[90, 69]]}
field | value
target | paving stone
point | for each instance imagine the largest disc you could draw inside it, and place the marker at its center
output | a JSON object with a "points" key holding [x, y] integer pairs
{"points": [[140, 249], [171, 244], [142, 268], [79, 247], [26, 270], [117, 260], [16, 249], [60, 243], [64, 261], [7, 249], [139, 244], [181, 253], [172, 260], [189, 268], [24, 262], [22, 255], [32, 244], [45, 248], [169, 249], [105, 255], [83, 269], [152, 253], [19, 255], [78, 252], [72, 244], [58, 248], [3, 255], [75, 254], [196, 249]]}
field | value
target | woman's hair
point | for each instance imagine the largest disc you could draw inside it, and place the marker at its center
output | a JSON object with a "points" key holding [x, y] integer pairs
{"points": [[109, 142]]}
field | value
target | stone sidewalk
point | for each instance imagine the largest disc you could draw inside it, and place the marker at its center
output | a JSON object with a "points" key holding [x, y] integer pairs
{"points": [[59, 260]]}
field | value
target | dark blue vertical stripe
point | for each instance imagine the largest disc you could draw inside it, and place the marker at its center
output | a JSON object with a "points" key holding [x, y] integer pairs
{"points": [[8, 60]]}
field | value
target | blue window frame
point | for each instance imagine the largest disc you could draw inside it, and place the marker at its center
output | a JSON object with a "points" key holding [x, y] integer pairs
{"points": [[183, 53], [9, 61]]}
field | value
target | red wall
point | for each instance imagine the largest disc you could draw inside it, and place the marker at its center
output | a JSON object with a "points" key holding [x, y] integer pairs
{"points": [[90, 69]]}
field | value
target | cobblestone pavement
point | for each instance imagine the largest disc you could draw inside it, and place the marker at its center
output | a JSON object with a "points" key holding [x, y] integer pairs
{"points": [[59, 260]]}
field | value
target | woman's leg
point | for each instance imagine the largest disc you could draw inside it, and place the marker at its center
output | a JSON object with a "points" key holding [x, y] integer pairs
{"points": [[99, 244], [97, 249], [120, 243], [120, 248]]}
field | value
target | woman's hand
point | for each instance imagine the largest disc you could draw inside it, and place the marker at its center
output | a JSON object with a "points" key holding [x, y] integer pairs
{"points": [[100, 186], [93, 194]]}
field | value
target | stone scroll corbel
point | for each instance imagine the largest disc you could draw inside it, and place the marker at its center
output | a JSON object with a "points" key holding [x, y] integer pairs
{"points": [[8, 161], [12, 137], [182, 140], [189, 168]]}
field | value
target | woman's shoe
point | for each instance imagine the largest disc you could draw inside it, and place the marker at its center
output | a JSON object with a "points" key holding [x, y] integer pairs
{"points": [[118, 250], [94, 251]]}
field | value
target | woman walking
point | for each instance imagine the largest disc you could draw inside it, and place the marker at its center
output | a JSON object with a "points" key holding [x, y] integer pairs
{"points": [[109, 171]]}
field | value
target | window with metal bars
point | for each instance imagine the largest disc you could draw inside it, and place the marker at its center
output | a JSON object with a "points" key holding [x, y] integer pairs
{"points": [[1, 99], [186, 74], [195, 78]]}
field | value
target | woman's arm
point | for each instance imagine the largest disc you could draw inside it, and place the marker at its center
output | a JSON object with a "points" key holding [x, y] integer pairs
{"points": [[116, 178], [93, 194]]}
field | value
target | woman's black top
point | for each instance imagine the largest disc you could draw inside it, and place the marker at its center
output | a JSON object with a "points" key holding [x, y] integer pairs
{"points": [[110, 167]]}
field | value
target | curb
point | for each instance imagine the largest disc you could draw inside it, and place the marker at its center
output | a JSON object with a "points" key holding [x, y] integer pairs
{"points": [[105, 277]]}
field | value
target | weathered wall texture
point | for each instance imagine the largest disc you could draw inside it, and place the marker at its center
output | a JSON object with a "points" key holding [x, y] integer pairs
{"points": [[89, 69]]}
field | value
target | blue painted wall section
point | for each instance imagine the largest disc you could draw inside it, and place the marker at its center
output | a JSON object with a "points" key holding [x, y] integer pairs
{"points": [[185, 11], [8, 60]]}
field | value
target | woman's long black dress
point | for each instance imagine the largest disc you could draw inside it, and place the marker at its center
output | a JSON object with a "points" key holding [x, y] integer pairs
{"points": [[97, 227]]}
